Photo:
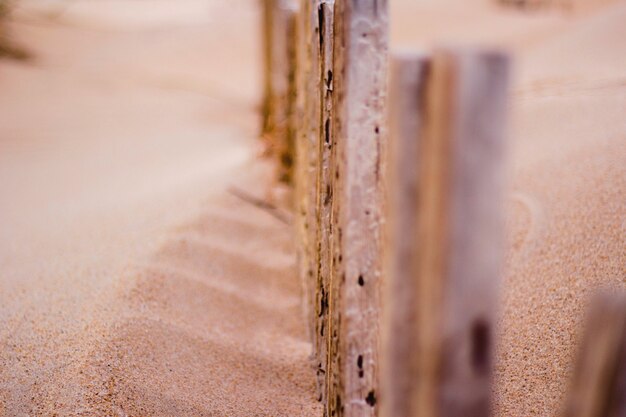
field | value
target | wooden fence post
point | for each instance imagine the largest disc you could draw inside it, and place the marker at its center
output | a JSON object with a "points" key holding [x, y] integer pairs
{"points": [[279, 103], [305, 169], [407, 108], [266, 25], [459, 232], [285, 40], [324, 190], [358, 142], [599, 384], [447, 122]]}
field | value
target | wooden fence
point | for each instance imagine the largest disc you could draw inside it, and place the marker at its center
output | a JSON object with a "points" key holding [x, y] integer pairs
{"points": [[397, 178]]}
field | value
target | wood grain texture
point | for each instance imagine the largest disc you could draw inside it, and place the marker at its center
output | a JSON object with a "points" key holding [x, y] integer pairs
{"points": [[324, 190], [407, 108], [459, 232], [599, 384], [361, 43], [305, 169]]}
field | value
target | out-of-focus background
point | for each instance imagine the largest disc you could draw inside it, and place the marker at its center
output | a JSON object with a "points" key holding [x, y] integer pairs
{"points": [[125, 123]]}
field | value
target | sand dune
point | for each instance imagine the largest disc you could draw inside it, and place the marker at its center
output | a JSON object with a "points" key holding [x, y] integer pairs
{"points": [[200, 330]]}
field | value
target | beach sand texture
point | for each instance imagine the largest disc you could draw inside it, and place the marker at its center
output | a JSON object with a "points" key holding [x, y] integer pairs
{"points": [[133, 281]]}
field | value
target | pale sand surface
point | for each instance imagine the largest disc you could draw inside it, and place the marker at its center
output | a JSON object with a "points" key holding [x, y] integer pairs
{"points": [[133, 283]]}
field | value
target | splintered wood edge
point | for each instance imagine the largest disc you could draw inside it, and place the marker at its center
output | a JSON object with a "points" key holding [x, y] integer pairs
{"points": [[312, 114], [305, 188]]}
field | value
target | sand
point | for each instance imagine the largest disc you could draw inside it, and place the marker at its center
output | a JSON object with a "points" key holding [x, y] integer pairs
{"points": [[134, 282]]}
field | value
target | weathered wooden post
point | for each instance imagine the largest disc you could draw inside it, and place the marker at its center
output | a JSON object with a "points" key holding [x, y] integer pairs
{"points": [[324, 200], [279, 102], [599, 384], [306, 153], [357, 148], [285, 62], [459, 232], [407, 109], [266, 26], [447, 126]]}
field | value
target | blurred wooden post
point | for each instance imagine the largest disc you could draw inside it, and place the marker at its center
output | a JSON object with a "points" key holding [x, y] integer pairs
{"points": [[324, 190], [305, 169], [358, 146], [459, 239], [408, 79], [599, 384], [444, 215], [285, 62], [266, 25], [279, 103]]}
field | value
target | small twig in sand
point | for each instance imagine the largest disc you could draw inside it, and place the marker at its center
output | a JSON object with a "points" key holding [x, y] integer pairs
{"points": [[262, 204]]}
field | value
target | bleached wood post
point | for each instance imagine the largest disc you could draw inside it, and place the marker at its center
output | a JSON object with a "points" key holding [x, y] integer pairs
{"points": [[407, 108], [599, 384], [458, 244], [305, 170], [266, 25], [283, 72], [360, 55], [324, 190], [279, 104]]}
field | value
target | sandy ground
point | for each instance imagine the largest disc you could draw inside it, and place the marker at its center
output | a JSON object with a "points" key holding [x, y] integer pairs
{"points": [[133, 282]]}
